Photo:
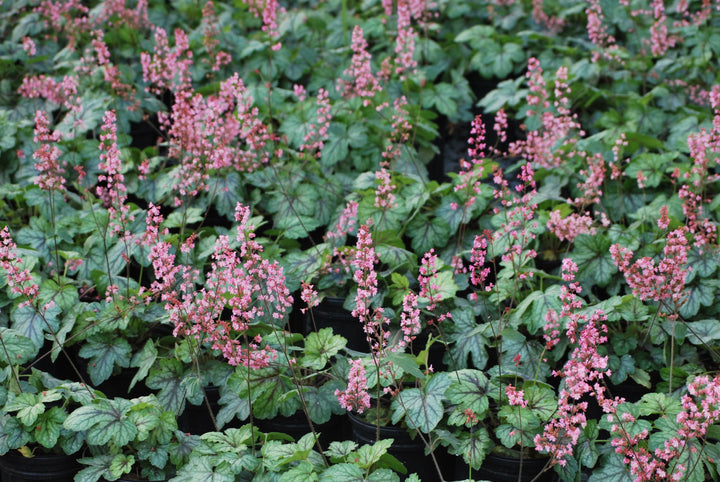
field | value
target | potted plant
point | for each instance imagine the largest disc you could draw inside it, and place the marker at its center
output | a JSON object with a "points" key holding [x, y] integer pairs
{"points": [[35, 442], [133, 439]]}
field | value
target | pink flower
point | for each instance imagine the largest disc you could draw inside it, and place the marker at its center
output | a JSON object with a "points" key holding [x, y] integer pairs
{"points": [[51, 177], [374, 322], [361, 81], [570, 227], [309, 296], [384, 197], [29, 46], [355, 396], [347, 222], [113, 192], [318, 133], [19, 280], [167, 68], [515, 397]]}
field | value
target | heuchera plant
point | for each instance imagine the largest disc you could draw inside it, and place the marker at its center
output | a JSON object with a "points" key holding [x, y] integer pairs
{"points": [[183, 182]]}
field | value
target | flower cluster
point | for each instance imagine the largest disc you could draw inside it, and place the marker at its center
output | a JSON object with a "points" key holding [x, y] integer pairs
{"points": [[384, 197], [51, 177], [167, 68], [113, 193], [64, 93], [541, 147], [251, 287], [19, 280], [318, 133], [664, 282], [355, 396], [362, 83], [347, 222], [582, 374], [212, 133], [700, 410], [374, 321]]}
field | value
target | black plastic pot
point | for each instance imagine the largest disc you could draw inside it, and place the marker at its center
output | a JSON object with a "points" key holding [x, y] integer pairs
{"points": [[196, 419], [331, 314], [504, 468], [409, 451], [58, 468]]}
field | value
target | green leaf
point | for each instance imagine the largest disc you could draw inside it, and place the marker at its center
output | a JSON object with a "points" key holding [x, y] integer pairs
{"points": [[14, 433], [441, 98], [368, 455], [592, 255], [338, 146], [507, 94], [427, 234], [28, 406], [65, 297], [422, 411], [121, 464], [612, 469], [20, 348], [702, 265], [703, 332], [652, 166], [541, 303], [357, 135], [698, 295], [443, 286], [200, 468], [105, 421], [232, 406], [26, 321], [168, 379], [97, 467], [184, 217], [387, 475], [320, 346], [505, 60], [302, 472], [453, 216], [659, 404], [322, 402], [474, 446], [143, 360], [344, 472], [227, 190], [105, 351], [470, 339], [408, 364], [621, 367], [468, 390], [48, 426]]}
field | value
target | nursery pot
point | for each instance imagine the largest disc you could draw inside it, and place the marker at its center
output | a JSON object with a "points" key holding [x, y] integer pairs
{"points": [[506, 468], [331, 314], [58, 468], [196, 419], [409, 451]]}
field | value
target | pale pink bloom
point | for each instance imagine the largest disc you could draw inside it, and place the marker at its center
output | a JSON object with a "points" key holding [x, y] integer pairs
{"points": [[355, 396], [515, 397], [362, 83], [29, 46], [19, 280], [51, 177], [570, 227]]}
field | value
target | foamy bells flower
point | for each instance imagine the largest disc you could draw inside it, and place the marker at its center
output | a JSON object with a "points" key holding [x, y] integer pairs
{"points": [[355, 396], [51, 177]]}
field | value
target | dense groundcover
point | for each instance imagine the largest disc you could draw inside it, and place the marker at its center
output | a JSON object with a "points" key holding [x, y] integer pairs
{"points": [[359, 240]]}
